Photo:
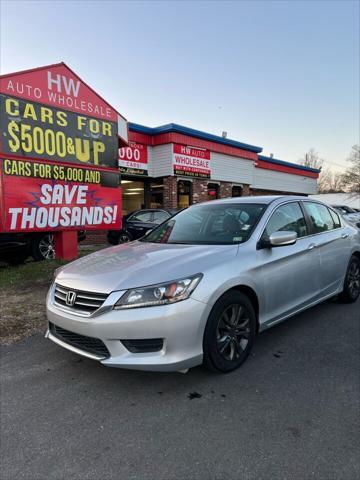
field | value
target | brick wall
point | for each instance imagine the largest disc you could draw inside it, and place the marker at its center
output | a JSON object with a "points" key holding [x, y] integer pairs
{"points": [[170, 192], [225, 189], [95, 237], [199, 190]]}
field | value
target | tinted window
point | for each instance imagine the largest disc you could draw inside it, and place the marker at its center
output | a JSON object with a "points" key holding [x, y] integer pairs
{"points": [[320, 218], [335, 218], [208, 224], [160, 217], [141, 217], [287, 218]]}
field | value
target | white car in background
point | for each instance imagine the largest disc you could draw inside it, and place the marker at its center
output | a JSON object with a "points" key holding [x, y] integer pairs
{"points": [[351, 215]]}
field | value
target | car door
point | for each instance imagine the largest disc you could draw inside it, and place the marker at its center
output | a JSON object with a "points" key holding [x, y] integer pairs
{"points": [[290, 274], [139, 223], [333, 244]]}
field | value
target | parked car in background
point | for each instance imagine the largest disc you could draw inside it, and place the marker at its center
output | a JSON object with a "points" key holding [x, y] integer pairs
{"points": [[136, 224], [15, 248], [200, 286], [350, 214]]}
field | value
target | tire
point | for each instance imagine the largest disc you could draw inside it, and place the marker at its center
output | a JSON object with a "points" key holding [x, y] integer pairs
{"points": [[351, 290], [43, 248], [226, 345]]}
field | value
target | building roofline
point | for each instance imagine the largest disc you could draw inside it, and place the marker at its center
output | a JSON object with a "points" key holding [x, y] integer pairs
{"points": [[275, 161], [173, 127]]}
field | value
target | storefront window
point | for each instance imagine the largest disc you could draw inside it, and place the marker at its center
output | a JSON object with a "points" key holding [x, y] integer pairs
{"points": [[156, 194], [184, 193], [237, 191], [132, 195], [213, 191]]}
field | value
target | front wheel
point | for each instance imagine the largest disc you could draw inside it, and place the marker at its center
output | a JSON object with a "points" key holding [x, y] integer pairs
{"points": [[43, 248], [230, 332], [351, 290]]}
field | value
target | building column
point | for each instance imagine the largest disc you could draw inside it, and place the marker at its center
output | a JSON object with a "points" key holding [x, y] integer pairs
{"points": [[200, 190], [225, 190], [246, 191], [170, 192]]}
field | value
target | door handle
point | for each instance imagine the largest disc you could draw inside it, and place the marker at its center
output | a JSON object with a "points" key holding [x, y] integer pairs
{"points": [[344, 235], [312, 246]]}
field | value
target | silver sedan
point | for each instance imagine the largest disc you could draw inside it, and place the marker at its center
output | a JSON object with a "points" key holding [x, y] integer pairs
{"points": [[201, 286]]}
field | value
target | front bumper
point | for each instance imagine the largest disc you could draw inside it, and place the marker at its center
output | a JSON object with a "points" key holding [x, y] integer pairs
{"points": [[181, 326]]}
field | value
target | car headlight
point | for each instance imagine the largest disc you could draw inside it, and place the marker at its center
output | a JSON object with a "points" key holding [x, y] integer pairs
{"points": [[161, 294]]}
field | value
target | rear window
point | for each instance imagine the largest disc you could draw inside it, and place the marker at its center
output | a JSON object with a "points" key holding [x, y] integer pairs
{"points": [[320, 217]]}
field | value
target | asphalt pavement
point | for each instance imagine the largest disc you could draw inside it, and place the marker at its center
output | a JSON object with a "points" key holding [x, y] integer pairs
{"points": [[291, 412]]}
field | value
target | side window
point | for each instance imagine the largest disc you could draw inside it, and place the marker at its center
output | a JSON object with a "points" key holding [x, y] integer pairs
{"points": [[141, 217], [320, 217], [335, 218], [160, 217], [288, 218]]}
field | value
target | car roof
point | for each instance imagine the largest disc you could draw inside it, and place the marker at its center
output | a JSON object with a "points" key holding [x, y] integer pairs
{"points": [[264, 199]]}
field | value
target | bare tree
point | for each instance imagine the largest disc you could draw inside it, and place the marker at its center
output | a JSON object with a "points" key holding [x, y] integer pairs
{"points": [[312, 159], [330, 182], [351, 177]]}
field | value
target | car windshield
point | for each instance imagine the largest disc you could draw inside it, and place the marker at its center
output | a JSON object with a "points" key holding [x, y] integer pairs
{"points": [[209, 224]]}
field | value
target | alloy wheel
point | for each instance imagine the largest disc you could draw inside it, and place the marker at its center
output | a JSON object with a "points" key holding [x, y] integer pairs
{"points": [[47, 248], [124, 238], [233, 332], [354, 279]]}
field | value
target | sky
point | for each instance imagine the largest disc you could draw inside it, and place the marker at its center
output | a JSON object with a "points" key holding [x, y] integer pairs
{"points": [[282, 75]]}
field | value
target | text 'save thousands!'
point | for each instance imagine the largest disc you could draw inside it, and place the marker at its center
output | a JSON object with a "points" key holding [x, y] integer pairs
{"points": [[37, 200], [191, 161]]}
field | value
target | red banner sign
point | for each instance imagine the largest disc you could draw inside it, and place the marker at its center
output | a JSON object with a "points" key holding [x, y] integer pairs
{"points": [[191, 161], [59, 145], [133, 160], [40, 196]]}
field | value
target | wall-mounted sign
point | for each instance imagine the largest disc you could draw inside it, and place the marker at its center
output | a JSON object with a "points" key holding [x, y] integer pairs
{"points": [[43, 196], [133, 160], [191, 161], [59, 144]]}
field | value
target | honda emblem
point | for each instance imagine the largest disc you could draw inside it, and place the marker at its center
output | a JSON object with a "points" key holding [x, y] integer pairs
{"points": [[70, 298]]}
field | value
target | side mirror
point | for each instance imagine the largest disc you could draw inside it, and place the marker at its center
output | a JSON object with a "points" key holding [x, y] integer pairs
{"points": [[281, 239]]}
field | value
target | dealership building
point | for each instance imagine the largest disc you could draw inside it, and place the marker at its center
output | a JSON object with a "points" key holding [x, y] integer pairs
{"points": [[174, 166]]}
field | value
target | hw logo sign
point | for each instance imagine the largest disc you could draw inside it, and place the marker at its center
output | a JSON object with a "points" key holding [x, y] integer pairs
{"points": [[62, 83]]}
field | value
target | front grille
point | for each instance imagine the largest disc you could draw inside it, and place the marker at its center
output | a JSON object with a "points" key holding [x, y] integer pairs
{"points": [[87, 344], [84, 301], [144, 345]]}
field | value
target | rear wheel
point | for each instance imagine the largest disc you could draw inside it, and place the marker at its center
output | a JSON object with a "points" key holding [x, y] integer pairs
{"points": [[125, 237], [229, 333], [351, 290]]}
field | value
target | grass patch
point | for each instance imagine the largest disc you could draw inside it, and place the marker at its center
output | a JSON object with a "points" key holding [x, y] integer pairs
{"points": [[23, 291], [33, 272]]}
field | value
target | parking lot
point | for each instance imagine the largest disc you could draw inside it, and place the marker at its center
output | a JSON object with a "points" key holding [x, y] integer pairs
{"points": [[291, 411]]}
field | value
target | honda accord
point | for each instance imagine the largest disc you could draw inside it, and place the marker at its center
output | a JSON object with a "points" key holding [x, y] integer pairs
{"points": [[201, 286]]}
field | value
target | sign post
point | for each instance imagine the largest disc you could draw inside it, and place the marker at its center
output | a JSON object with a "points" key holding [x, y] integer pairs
{"points": [[59, 144]]}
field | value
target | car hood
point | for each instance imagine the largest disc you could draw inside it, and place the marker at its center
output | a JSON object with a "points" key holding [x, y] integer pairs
{"points": [[139, 264]]}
